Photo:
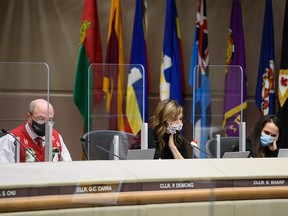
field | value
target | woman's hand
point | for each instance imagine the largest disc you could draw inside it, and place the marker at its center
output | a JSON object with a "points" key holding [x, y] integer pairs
{"points": [[273, 146], [173, 148], [171, 142]]}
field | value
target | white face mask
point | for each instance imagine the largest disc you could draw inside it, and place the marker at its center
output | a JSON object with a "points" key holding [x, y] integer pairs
{"points": [[173, 128]]}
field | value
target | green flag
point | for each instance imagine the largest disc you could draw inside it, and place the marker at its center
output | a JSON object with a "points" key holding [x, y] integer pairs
{"points": [[89, 52]]}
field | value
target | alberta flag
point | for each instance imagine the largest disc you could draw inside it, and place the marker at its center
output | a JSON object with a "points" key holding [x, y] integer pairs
{"points": [[172, 84]]}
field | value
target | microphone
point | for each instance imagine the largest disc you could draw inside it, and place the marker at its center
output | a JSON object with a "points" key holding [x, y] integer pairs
{"points": [[193, 145], [103, 149], [16, 140]]}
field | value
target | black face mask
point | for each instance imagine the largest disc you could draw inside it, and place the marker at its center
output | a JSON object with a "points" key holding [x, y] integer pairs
{"points": [[39, 129]]}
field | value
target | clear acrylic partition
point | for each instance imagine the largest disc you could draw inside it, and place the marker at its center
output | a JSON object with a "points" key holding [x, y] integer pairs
{"points": [[129, 116], [20, 83], [131, 188], [211, 103]]}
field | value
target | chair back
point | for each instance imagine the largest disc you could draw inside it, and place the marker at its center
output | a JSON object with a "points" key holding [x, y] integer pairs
{"points": [[2, 134], [226, 145], [95, 140]]}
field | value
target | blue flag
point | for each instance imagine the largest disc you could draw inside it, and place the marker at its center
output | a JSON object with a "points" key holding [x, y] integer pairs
{"points": [[137, 87], [171, 77], [265, 89], [199, 78]]}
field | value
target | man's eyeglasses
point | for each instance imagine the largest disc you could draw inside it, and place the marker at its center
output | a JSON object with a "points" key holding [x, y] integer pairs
{"points": [[41, 120]]}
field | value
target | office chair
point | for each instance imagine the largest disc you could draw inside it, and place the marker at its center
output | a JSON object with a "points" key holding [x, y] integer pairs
{"points": [[2, 134], [95, 140], [226, 145]]}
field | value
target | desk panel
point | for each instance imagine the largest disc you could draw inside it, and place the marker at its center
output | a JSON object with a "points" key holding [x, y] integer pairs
{"points": [[100, 184]]}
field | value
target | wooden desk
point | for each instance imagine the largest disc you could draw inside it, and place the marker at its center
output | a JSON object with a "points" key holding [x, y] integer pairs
{"points": [[97, 185]]}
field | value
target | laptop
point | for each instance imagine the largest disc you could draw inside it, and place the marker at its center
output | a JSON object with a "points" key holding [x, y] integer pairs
{"points": [[140, 154], [244, 154], [283, 152]]}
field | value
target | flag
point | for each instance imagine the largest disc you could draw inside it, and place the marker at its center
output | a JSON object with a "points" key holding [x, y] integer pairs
{"points": [[138, 78], [283, 81], [172, 74], [199, 78], [113, 81], [89, 52], [265, 89], [234, 99]]}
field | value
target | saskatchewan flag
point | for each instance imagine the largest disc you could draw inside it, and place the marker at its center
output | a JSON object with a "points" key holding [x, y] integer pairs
{"points": [[89, 52]]}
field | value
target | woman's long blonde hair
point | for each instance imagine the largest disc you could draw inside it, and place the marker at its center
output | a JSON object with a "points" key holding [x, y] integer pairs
{"points": [[165, 111]]}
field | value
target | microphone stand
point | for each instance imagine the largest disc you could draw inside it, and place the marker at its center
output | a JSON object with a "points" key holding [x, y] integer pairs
{"points": [[103, 149], [17, 151], [194, 146]]}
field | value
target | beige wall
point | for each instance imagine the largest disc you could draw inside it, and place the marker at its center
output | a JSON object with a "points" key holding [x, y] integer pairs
{"points": [[48, 31]]}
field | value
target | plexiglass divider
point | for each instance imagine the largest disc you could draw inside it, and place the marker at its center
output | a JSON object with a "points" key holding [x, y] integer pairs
{"points": [[121, 107], [20, 83], [217, 105]]}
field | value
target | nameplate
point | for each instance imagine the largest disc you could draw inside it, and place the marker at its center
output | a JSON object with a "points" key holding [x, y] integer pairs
{"points": [[144, 186]]}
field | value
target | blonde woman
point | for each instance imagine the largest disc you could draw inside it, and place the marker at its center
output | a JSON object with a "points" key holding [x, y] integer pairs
{"points": [[163, 132]]}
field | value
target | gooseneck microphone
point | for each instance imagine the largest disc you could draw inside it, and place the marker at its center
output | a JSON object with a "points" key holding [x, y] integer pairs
{"points": [[103, 149], [16, 140], [194, 146]]}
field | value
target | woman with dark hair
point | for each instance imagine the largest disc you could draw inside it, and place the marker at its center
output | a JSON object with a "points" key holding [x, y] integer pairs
{"points": [[163, 136], [265, 140]]}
